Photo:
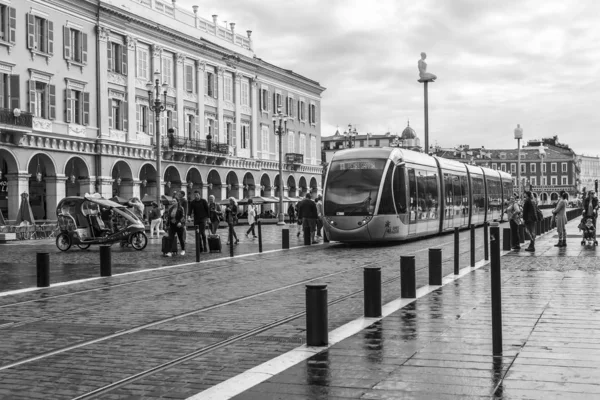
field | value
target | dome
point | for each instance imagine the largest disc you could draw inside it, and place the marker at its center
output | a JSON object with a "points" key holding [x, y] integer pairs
{"points": [[408, 132]]}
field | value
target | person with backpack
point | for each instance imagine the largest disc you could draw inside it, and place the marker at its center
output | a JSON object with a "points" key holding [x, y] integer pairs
{"points": [[215, 214], [231, 218], [251, 218], [198, 208], [530, 218], [176, 224], [514, 213]]}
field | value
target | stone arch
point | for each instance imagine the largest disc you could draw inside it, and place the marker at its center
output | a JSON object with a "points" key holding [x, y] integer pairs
{"points": [[122, 176], [44, 190], [233, 185], [249, 185], [193, 179], [554, 196], [172, 180], [9, 168], [147, 177], [214, 184], [78, 174], [265, 185], [302, 186], [314, 186], [543, 198], [291, 184], [277, 190]]}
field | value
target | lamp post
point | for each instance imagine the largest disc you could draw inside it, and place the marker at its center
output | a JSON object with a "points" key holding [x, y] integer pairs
{"points": [[519, 136], [351, 136], [280, 130], [543, 156], [157, 106]]}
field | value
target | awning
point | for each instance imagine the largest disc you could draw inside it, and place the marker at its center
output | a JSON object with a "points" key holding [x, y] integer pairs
{"points": [[120, 200], [102, 201]]}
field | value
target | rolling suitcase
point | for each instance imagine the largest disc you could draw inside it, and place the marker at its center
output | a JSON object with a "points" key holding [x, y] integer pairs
{"points": [[168, 246], [214, 243]]}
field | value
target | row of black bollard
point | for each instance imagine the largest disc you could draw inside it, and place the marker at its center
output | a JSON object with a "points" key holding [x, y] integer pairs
{"points": [[285, 238], [259, 237]]}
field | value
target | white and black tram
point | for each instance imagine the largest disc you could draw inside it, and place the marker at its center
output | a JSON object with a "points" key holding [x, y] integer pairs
{"points": [[389, 194]]}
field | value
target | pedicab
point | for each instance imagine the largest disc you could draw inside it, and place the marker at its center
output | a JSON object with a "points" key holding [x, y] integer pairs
{"points": [[80, 222]]}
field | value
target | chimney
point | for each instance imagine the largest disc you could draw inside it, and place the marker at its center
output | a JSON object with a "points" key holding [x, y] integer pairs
{"points": [[195, 8], [232, 26], [215, 22], [249, 38]]}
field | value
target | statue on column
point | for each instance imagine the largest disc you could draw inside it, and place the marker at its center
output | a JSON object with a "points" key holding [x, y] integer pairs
{"points": [[425, 76]]}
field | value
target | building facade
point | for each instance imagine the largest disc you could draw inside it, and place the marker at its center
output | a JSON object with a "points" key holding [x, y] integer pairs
{"points": [[79, 85], [590, 172]]}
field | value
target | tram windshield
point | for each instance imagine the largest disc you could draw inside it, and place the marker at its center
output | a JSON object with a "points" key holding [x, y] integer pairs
{"points": [[352, 186]]}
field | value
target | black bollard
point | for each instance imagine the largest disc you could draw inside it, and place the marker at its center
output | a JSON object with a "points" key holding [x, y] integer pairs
{"points": [[408, 282], [496, 292], [105, 261], [285, 238], [259, 237], [316, 315], [456, 252], [231, 242], [307, 237], [372, 278], [506, 239], [198, 247], [472, 245], [42, 261], [521, 234], [486, 242], [435, 267]]}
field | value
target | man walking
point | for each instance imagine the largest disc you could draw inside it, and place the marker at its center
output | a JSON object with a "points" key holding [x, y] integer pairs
{"points": [[198, 208], [319, 214], [307, 211]]}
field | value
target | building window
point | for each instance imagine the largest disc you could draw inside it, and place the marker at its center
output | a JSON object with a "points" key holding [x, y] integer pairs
{"points": [[212, 128], [313, 150], [291, 142], [245, 87], [117, 58], [8, 24], [9, 91], [277, 102], [264, 139], [376, 142], [564, 180], [229, 133], [532, 167], [564, 167], [301, 110], [190, 126], [228, 87], [40, 34], [264, 100], [245, 142], [210, 84], [503, 167], [75, 45], [167, 71], [114, 118], [312, 114], [143, 119], [513, 168], [302, 144], [142, 62], [167, 120], [523, 168], [553, 167], [77, 107], [543, 168], [553, 180], [189, 78], [544, 181], [42, 99], [289, 107], [533, 180], [494, 166]]}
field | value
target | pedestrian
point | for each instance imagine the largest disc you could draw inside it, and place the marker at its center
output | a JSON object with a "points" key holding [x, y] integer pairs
{"points": [[291, 213], [215, 214], [176, 226], [319, 214], [251, 218], [560, 216], [155, 219], [106, 214], [514, 215], [307, 211], [137, 207], [530, 218], [231, 218], [590, 206], [198, 208]]}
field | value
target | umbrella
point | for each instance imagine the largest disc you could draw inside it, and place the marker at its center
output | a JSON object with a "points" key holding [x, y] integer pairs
{"points": [[25, 212], [2, 221], [120, 200], [166, 199], [147, 200]]}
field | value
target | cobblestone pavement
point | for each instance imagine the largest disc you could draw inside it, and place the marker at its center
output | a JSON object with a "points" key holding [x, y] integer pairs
{"points": [[219, 318]]}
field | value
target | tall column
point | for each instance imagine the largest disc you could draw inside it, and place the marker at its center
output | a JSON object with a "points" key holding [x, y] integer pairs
{"points": [[255, 117], [200, 66], [105, 185], [87, 185], [237, 93], [223, 191], [102, 67], [221, 93], [136, 189], [179, 87], [131, 57], [16, 184], [205, 191], [156, 54], [55, 192]]}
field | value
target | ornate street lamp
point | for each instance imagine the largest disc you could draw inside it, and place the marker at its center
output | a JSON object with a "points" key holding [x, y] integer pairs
{"points": [[280, 130], [351, 136], [519, 136], [157, 106]]}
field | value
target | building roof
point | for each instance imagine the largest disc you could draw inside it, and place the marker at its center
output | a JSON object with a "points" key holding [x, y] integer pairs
{"points": [[408, 132]]}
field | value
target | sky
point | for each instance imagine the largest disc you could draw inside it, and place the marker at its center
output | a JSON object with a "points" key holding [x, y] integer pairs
{"points": [[498, 63]]}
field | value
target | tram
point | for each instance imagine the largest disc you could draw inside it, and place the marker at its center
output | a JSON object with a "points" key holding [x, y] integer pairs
{"points": [[393, 194]]}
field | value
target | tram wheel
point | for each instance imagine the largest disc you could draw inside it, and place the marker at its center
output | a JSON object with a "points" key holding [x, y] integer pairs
{"points": [[83, 246], [138, 240], [63, 242]]}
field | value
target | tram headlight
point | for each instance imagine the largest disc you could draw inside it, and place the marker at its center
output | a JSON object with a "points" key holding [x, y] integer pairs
{"points": [[365, 220], [330, 221]]}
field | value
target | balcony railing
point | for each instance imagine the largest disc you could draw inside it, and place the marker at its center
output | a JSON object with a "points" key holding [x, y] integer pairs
{"points": [[182, 143], [294, 158], [7, 117]]}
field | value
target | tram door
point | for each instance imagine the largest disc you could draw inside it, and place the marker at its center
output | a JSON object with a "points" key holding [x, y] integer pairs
{"points": [[412, 197]]}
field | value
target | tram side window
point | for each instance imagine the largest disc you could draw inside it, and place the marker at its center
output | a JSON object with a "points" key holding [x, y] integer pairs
{"points": [[386, 204], [421, 186], [412, 191], [464, 185], [449, 195], [400, 189], [458, 195], [431, 195], [478, 195]]}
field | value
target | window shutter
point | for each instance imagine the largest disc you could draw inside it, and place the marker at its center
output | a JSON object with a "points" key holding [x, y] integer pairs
{"points": [[84, 48], [86, 108], [124, 112], [261, 105], [299, 115], [234, 135], [174, 121], [138, 117], [68, 106], [169, 119], [50, 37], [30, 31], [189, 81], [52, 101], [67, 42], [216, 87], [14, 92], [216, 135], [163, 120], [268, 100], [12, 25], [124, 60], [3, 90], [206, 126], [110, 113], [145, 122], [31, 96], [150, 123], [206, 82], [197, 126], [110, 56], [274, 102]]}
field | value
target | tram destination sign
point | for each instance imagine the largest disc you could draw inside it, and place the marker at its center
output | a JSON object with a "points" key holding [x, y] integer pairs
{"points": [[357, 165]]}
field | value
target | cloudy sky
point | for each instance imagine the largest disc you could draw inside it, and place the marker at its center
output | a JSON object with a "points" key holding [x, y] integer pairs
{"points": [[499, 64]]}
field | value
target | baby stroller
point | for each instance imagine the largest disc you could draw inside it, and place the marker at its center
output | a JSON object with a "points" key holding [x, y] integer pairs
{"points": [[589, 231]]}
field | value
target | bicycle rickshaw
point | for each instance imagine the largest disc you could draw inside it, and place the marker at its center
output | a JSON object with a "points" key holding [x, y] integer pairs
{"points": [[80, 223]]}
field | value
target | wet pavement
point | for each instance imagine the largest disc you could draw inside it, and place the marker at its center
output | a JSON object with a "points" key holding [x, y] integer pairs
{"points": [[173, 331]]}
